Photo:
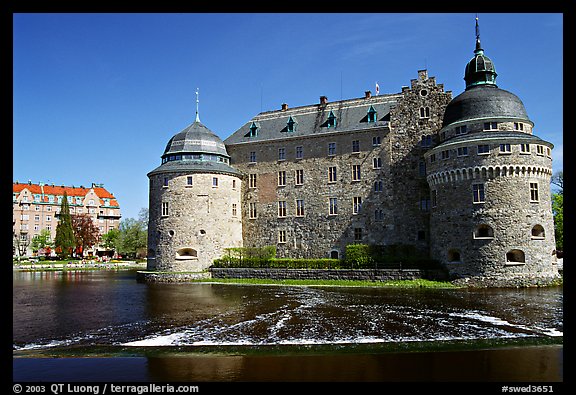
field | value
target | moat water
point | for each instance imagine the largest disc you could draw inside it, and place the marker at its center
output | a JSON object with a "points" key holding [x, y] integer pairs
{"points": [[104, 326]]}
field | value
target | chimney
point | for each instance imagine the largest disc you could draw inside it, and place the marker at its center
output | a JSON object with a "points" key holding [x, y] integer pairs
{"points": [[284, 106], [367, 95], [323, 100]]}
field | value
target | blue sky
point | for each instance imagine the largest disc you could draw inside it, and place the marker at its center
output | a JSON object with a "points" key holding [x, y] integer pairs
{"points": [[97, 96]]}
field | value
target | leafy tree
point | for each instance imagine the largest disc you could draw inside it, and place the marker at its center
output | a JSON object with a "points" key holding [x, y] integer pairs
{"points": [[558, 211], [64, 240], [86, 233], [133, 237], [43, 240], [111, 240], [558, 179]]}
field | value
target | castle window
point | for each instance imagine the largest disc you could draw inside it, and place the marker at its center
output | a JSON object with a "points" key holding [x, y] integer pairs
{"points": [[540, 149], [446, 154], [422, 168], [332, 174], [164, 209], [515, 256], [299, 177], [331, 122], [357, 234], [291, 125], [533, 191], [299, 152], [424, 112], [214, 182], [376, 141], [299, 207], [426, 141], [377, 186], [281, 153], [460, 130], [233, 184], [518, 126], [379, 215], [524, 148], [253, 130], [189, 180], [355, 145], [331, 149], [454, 255], [478, 193], [356, 204], [432, 158], [165, 184], [186, 253], [252, 180], [252, 156], [483, 231], [538, 232], [377, 163], [234, 210], [371, 115], [282, 209], [483, 149], [282, 178], [490, 125], [281, 236], [425, 204], [333, 206], [505, 149], [253, 213], [463, 151], [355, 172]]}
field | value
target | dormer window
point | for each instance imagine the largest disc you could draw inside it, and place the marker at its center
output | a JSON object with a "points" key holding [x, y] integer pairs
{"points": [[291, 125], [371, 115], [331, 122], [253, 130], [461, 130]]}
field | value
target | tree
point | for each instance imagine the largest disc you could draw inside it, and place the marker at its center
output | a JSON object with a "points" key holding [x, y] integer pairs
{"points": [[558, 211], [133, 237], [42, 241], [558, 179], [64, 240], [111, 240], [86, 233]]}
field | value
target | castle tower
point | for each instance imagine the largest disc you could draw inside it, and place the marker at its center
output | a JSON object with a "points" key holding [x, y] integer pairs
{"points": [[490, 184], [194, 211]]}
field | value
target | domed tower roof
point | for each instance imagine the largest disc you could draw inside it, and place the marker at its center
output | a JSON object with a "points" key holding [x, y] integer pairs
{"points": [[195, 149], [482, 98]]}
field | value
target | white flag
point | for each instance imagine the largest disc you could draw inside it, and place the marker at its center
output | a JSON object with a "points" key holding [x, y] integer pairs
{"points": [[377, 89]]}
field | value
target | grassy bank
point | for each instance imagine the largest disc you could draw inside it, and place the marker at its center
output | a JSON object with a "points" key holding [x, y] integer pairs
{"points": [[418, 283]]}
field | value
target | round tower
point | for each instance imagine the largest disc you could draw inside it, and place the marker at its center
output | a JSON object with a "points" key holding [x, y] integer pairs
{"points": [[194, 211], [490, 184]]}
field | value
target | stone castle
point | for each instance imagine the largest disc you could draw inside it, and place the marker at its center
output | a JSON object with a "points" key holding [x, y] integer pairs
{"points": [[462, 180]]}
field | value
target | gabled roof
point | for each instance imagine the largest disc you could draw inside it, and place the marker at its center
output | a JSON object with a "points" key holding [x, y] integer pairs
{"points": [[312, 119], [58, 190]]}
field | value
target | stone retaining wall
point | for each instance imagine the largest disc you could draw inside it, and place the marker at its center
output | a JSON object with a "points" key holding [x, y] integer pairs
{"points": [[164, 277], [329, 274]]}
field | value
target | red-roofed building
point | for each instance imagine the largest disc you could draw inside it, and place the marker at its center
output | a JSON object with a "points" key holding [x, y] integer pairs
{"points": [[37, 206]]}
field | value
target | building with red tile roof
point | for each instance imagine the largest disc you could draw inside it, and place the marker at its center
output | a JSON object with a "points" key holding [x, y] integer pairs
{"points": [[37, 206]]}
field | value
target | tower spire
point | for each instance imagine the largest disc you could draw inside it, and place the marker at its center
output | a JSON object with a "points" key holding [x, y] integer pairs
{"points": [[478, 46], [197, 102]]}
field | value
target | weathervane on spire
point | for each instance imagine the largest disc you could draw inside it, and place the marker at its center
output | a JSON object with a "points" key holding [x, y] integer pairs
{"points": [[197, 101]]}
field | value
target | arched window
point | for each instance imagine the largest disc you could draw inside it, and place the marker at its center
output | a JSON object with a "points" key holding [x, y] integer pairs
{"points": [[334, 254], [454, 255], [483, 231], [538, 232], [186, 253], [516, 256]]}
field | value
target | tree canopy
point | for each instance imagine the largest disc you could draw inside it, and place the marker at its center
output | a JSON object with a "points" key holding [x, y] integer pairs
{"points": [[86, 233], [64, 240]]}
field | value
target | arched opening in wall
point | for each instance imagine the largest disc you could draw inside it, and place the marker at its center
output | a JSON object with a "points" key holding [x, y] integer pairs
{"points": [[334, 254], [483, 231], [454, 255], [515, 256], [538, 232], [186, 253]]}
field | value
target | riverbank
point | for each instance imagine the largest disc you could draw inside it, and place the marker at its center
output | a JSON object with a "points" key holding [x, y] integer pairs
{"points": [[78, 265]]}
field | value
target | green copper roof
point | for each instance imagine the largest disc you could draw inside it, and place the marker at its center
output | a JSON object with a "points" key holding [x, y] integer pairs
{"points": [[480, 69]]}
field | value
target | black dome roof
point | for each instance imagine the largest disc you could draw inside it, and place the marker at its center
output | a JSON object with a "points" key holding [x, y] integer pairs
{"points": [[484, 101], [196, 138]]}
